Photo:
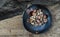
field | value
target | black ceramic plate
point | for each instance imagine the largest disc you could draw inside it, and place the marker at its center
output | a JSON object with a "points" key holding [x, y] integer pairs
{"points": [[40, 28]]}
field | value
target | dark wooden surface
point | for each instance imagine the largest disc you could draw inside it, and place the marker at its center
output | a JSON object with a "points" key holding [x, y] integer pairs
{"points": [[13, 27]]}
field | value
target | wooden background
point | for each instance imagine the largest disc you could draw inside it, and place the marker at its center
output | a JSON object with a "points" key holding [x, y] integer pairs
{"points": [[13, 27]]}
